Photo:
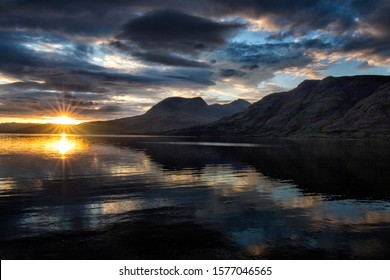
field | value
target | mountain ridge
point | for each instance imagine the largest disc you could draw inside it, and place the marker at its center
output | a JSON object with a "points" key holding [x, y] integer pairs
{"points": [[346, 107], [168, 114], [349, 106]]}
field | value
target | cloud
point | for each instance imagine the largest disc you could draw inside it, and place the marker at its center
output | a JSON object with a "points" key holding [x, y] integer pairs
{"points": [[70, 18], [252, 64], [226, 73], [32, 99], [373, 16], [100, 18], [355, 20], [50, 65], [356, 25], [364, 66], [297, 16], [113, 54], [156, 35], [169, 60], [271, 55], [176, 31], [71, 69]]}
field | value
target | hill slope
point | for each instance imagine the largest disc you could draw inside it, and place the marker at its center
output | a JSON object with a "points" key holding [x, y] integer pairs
{"points": [[32, 128], [357, 106], [171, 113]]}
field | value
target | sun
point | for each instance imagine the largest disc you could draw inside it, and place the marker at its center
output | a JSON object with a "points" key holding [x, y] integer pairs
{"points": [[64, 120]]}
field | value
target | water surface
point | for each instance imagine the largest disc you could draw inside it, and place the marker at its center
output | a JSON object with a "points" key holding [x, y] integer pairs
{"points": [[162, 197]]}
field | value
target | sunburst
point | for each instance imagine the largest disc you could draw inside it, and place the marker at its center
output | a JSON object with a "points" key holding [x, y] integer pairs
{"points": [[65, 120], [63, 115]]}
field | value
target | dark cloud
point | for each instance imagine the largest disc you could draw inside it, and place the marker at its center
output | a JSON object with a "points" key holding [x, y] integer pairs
{"points": [[316, 44], [227, 73], [71, 70], [276, 56], [156, 36], [168, 59], [89, 18], [370, 45], [257, 62], [64, 24], [46, 74], [102, 18], [71, 17], [361, 25], [374, 35], [14, 55], [19, 99], [38, 102], [280, 36], [179, 45], [298, 16], [109, 109], [202, 77], [23, 54], [177, 32], [374, 14], [253, 67]]}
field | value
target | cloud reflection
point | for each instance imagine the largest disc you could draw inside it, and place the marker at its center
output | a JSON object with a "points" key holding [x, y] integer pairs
{"points": [[116, 179]]}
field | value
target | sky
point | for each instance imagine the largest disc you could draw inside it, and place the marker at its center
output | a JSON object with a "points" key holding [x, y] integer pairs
{"points": [[99, 60]]}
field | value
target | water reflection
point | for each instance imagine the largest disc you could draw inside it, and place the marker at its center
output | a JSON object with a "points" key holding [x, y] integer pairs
{"points": [[266, 198], [45, 146], [64, 146], [6, 185]]}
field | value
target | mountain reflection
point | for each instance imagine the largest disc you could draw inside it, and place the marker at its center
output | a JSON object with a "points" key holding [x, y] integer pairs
{"points": [[265, 197]]}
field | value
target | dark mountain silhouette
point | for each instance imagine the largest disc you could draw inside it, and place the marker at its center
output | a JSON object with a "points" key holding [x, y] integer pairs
{"points": [[31, 128], [356, 106], [171, 113]]}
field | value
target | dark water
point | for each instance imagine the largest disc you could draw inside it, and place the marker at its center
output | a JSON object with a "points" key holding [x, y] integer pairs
{"points": [[159, 197]]}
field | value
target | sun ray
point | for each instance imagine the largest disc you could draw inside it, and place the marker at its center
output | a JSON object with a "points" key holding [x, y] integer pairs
{"points": [[62, 113], [64, 120]]}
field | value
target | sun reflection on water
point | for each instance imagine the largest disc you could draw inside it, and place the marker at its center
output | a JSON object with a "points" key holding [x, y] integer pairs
{"points": [[67, 145], [62, 145]]}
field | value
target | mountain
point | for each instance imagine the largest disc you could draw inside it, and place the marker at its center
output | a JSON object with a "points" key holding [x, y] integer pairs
{"points": [[30, 128], [169, 114], [356, 106]]}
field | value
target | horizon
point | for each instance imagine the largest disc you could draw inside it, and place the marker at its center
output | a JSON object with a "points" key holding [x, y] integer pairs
{"points": [[70, 62], [199, 133], [64, 120]]}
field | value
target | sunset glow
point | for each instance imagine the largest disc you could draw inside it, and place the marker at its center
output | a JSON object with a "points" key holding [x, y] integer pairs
{"points": [[245, 131], [65, 120], [63, 146], [92, 68], [50, 146]]}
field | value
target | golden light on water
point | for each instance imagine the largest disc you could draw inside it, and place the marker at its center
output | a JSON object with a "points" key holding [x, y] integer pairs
{"points": [[67, 145], [64, 146], [52, 146]]}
